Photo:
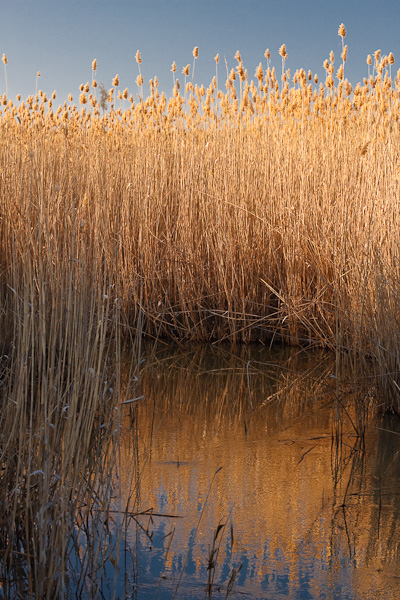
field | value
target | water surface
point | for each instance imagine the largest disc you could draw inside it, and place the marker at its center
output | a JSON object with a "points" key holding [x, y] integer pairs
{"points": [[246, 485]]}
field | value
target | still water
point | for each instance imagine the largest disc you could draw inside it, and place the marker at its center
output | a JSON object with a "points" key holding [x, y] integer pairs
{"points": [[252, 482]]}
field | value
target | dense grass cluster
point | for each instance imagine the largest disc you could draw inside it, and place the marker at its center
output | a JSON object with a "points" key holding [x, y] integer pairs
{"points": [[256, 210]]}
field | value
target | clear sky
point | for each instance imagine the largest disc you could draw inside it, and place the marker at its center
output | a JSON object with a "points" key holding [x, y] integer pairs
{"points": [[61, 38]]}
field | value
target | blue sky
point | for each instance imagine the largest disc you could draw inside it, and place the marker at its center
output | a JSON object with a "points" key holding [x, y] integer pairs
{"points": [[60, 39]]}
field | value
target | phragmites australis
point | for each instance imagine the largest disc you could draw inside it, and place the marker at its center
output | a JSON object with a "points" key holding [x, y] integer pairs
{"points": [[185, 70], [5, 61], [259, 72], [282, 52], [115, 81], [216, 58], [342, 31], [173, 67], [94, 65], [195, 51]]}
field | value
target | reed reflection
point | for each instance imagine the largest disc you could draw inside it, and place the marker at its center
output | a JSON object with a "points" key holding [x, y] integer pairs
{"points": [[238, 451]]}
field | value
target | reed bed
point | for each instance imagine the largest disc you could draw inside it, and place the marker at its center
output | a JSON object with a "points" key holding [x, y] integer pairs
{"points": [[259, 209]]}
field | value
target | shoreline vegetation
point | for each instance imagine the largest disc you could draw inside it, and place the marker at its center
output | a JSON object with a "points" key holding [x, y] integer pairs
{"points": [[264, 209]]}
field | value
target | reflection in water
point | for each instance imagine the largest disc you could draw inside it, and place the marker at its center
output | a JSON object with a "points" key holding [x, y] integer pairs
{"points": [[282, 518]]}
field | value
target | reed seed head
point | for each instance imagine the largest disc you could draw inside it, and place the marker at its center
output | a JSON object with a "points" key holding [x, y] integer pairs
{"points": [[94, 65], [5, 61], [138, 57], [195, 51], [282, 51], [115, 81], [259, 72], [342, 31]]}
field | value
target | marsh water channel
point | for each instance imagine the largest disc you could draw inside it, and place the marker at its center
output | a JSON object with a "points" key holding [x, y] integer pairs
{"points": [[244, 475]]}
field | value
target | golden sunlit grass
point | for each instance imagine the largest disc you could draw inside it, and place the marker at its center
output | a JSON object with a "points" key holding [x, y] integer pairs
{"points": [[263, 210], [266, 209]]}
